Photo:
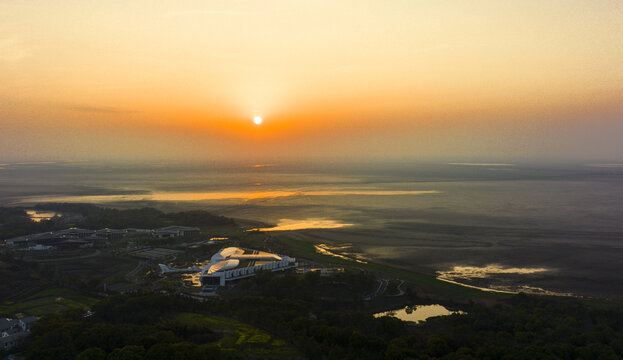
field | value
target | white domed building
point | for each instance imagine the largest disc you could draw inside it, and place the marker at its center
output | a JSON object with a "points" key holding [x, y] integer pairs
{"points": [[234, 263]]}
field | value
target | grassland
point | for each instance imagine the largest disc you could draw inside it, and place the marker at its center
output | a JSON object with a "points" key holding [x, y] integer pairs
{"points": [[427, 284], [48, 301], [239, 336], [20, 281], [41, 288]]}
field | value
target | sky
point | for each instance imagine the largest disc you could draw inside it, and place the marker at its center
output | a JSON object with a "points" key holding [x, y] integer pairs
{"points": [[464, 80]]}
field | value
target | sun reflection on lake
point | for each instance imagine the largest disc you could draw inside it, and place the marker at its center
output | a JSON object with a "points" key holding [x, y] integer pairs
{"points": [[292, 224], [38, 216], [245, 196], [493, 275], [470, 272], [331, 251]]}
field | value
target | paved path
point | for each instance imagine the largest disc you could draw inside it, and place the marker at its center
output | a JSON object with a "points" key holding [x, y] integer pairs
{"points": [[379, 291], [132, 274], [400, 290]]}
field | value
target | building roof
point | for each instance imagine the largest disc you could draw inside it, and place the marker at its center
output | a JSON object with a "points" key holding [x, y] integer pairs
{"points": [[38, 236], [6, 323], [109, 231], [74, 231], [5, 340], [50, 235], [95, 237], [74, 241], [225, 254], [229, 258], [178, 228], [166, 232], [237, 253], [28, 319], [222, 266], [262, 256], [12, 331]]}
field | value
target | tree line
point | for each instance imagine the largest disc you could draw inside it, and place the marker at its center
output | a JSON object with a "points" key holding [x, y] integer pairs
{"points": [[524, 327], [15, 222]]}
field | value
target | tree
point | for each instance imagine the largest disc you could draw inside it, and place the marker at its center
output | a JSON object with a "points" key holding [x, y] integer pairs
{"points": [[93, 353], [128, 352]]}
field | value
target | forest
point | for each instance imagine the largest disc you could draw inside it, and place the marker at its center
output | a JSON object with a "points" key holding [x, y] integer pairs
{"points": [[147, 326]]}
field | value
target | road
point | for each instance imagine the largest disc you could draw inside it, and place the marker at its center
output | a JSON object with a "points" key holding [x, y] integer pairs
{"points": [[132, 274], [379, 291], [399, 288]]}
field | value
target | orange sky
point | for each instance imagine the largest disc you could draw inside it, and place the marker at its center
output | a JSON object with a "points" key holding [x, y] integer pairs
{"points": [[183, 79]]}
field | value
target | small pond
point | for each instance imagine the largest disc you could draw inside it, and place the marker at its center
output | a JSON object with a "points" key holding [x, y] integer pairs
{"points": [[418, 313]]}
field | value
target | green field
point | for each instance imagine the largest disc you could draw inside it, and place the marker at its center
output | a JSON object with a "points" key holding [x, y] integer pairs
{"points": [[239, 336], [48, 301]]}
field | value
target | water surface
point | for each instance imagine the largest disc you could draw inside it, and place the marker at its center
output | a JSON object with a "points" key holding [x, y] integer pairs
{"points": [[38, 216], [441, 219], [418, 313]]}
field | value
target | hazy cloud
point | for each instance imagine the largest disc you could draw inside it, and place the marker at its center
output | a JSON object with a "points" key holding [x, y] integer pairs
{"points": [[11, 50], [481, 164], [207, 12], [102, 110]]}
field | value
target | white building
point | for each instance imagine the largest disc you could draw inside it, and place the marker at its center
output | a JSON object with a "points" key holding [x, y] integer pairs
{"points": [[225, 265]]}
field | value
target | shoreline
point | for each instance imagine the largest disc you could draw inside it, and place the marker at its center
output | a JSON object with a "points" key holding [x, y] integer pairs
{"points": [[334, 252]]}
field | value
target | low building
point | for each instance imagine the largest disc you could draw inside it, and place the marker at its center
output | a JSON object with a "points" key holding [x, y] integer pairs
{"points": [[110, 234], [175, 231], [74, 233], [12, 341], [26, 322], [52, 238], [7, 324], [73, 244], [40, 247], [234, 263], [13, 332], [138, 231], [46, 239], [163, 234]]}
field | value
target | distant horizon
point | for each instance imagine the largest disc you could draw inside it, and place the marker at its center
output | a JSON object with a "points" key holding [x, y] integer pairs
{"points": [[277, 161], [274, 161]]}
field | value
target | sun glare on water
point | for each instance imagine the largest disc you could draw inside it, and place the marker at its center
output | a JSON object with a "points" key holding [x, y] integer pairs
{"points": [[257, 120]]}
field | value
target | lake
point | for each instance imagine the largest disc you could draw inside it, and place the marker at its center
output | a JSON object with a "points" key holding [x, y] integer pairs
{"points": [[543, 228]]}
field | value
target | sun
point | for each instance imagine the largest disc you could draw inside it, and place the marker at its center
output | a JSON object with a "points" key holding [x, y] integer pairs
{"points": [[257, 120]]}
